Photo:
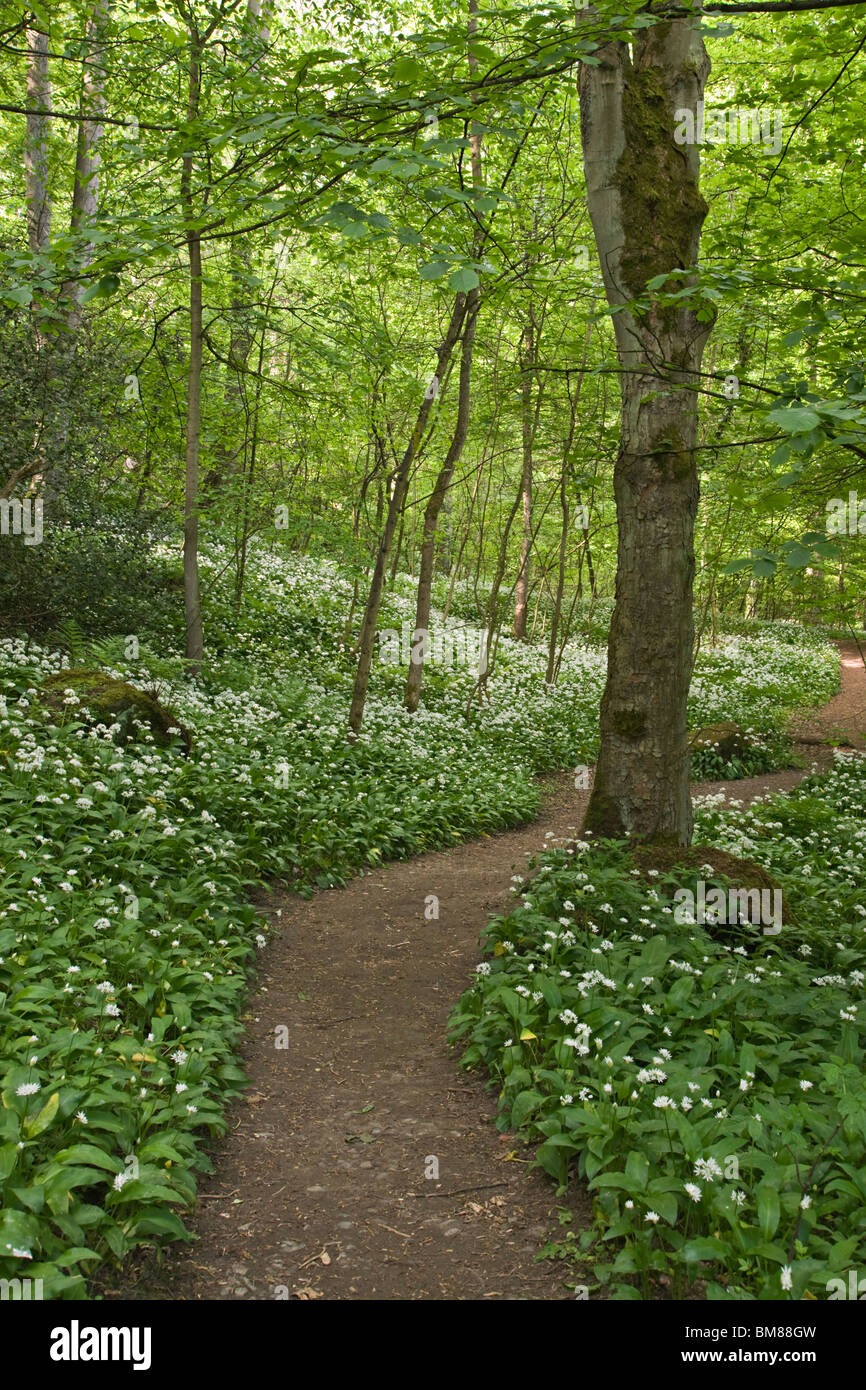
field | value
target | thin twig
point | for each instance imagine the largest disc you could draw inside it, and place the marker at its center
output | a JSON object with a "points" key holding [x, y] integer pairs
{"points": [[455, 1191]]}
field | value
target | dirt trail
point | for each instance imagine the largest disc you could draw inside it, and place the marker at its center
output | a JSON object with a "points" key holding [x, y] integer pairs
{"points": [[321, 1188], [844, 718]]}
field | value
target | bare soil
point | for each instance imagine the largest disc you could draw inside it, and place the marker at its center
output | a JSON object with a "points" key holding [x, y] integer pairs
{"points": [[322, 1187]]}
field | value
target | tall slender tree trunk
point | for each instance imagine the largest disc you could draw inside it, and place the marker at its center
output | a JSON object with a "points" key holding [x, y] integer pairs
{"points": [[440, 494], [647, 214], [230, 448], [492, 620], [455, 568], [565, 510], [37, 196], [560, 577], [85, 206], [88, 159], [527, 433], [37, 203], [395, 509], [434, 505], [191, 594]]}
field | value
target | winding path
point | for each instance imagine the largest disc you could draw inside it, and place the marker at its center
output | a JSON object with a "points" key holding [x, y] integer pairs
{"points": [[323, 1187]]}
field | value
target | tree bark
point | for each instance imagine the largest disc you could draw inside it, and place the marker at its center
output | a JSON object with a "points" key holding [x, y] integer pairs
{"points": [[434, 503], [191, 594], [527, 432], [37, 197], [647, 214], [395, 508], [230, 448], [440, 494], [85, 192]]}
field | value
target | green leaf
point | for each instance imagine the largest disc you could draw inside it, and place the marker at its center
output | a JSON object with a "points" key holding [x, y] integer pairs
{"points": [[463, 280], [794, 419], [102, 289], [159, 1221], [40, 1122], [637, 1168], [406, 70], [705, 1248], [524, 1104], [89, 1153], [797, 557], [763, 567], [8, 1159], [780, 455], [433, 270], [665, 1203], [768, 1210]]}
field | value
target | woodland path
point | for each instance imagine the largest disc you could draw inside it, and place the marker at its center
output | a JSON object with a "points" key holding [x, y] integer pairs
{"points": [[320, 1188]]}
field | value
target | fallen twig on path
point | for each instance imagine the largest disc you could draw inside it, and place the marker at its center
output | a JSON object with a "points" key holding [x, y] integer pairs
{"points": [[455, 1191]]}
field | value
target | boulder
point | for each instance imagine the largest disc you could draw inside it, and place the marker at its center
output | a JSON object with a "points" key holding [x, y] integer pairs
{"points": [[106, 700], [726, 736]]}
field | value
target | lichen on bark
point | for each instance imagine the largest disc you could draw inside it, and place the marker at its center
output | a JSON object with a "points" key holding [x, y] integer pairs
{"points": [[659, 205]]}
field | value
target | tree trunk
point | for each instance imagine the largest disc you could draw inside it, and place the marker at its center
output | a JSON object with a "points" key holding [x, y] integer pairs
{"points": [[440, 494], [521, 596], [647, 214], [192, 598], [435, 501], [395, 508], [229, 448], [492, 621], [85, 192], [560, 578], [37, 197], [573, 399], [455, 568]]}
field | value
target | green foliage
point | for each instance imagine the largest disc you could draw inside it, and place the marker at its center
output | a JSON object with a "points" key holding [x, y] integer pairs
{"points": [[125, 866], [765, 752], [709, 1094]]}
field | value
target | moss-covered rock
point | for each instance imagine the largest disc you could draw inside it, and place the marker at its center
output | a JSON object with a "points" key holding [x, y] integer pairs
{"points": [[672, 867], [727, 737], [106, 700]]}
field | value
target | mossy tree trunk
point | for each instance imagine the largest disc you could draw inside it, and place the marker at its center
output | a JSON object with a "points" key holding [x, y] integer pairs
{"points": [[647, 214]]}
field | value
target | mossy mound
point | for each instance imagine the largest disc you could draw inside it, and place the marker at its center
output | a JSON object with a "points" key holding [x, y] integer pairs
{"points": [[727, 737], [107, 700], [679, 866]]}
